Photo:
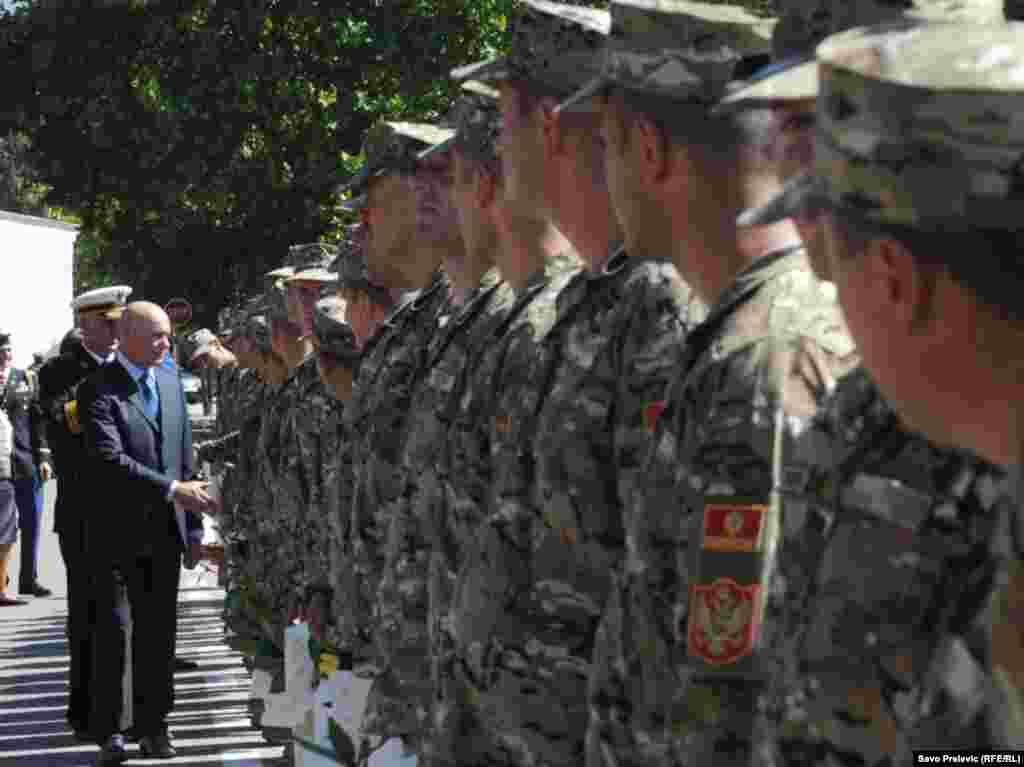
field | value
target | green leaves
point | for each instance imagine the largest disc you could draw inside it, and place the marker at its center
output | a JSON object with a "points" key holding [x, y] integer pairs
{"points": [[198, 140]]}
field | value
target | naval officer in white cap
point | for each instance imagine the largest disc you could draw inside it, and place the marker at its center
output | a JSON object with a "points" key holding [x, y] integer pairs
{"points": [[96, 314]]}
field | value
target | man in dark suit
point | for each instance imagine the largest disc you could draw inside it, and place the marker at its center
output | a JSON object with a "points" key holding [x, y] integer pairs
{"points": [[146, 513], [82, 352], [30, 462]]}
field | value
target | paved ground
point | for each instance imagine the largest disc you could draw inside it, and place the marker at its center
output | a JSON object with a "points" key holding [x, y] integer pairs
{"points": [[209, 724]]}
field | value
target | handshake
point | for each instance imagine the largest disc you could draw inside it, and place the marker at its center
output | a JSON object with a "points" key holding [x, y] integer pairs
{"points": [[197, 496]]}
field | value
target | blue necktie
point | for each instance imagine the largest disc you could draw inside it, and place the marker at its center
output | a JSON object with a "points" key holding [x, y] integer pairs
{"points": [[149, 401]]}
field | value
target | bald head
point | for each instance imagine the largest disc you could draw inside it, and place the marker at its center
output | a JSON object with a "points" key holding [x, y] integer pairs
{"points": [[145, 333]]}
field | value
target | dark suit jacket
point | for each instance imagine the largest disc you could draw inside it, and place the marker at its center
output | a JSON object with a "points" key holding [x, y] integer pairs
{"points": [[29, 434], [59, 379], [135, 461]]}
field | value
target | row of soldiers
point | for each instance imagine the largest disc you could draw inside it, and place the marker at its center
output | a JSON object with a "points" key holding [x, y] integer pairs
{"points": [[569, 445]]}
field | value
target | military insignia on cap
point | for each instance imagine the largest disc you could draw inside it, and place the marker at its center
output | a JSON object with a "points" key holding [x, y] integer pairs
{"points": [[723, 621], [733, 527]]}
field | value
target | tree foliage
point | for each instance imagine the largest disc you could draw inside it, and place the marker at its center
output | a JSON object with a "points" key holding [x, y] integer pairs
{"points": [[194, 140], [197, 140]]}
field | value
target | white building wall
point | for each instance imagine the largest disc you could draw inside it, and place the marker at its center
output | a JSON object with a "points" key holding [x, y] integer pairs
{"points": [[36, 282]]}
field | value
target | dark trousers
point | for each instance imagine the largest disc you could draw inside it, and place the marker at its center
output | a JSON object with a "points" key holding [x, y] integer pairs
{"points": [[28, 496], [81, 617], [133, 650]]}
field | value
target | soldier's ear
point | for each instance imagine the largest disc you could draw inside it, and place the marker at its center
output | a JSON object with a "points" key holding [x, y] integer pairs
{"points": [[485, 185], [904, 291], [652, 149], [551, 125]]}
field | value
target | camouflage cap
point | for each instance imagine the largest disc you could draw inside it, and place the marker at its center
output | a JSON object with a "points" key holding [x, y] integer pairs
{"points": [[350, 268], [225, 320], [804, 24], [312, 262], [477, 121], [797, 196], [257, 330], [333, 335], [795, 76], [480, 89], [793, 79], [198, 343], [920, 126], [276, 301], [556, 45], [676, 49], [394, 147]]}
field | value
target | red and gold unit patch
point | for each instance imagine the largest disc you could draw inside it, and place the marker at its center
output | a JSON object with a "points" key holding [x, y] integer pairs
{"points": [[733, 527], [652, 412], [723, 622]]}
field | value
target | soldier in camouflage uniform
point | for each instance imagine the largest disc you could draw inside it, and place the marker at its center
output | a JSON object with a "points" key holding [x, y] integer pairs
{"points": [[615, 343], [306, 405], [895, 244], [273, 494], [403, 630], [239, 522], [406, 246], [896, 661], [482, 716], [289, 440], [354, 289], [714, 538], [337, 359]]}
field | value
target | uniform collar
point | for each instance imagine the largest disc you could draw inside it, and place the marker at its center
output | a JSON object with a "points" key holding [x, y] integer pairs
{"points": [[99, 360]]}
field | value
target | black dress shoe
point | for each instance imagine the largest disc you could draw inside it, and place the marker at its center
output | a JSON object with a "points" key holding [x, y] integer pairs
{"points": [[157, 747], [180, 664], [35, 590], [113, 751]]}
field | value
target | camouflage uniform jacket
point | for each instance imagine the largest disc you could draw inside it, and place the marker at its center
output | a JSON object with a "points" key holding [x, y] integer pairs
{"points": [[248, 393], [228, 382], [717, 564], [892, 649], [617, 342], [402, 601], [337, 491], [494, 421], [376, 417], [281, 501], [241, 527], [308, 426]]}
